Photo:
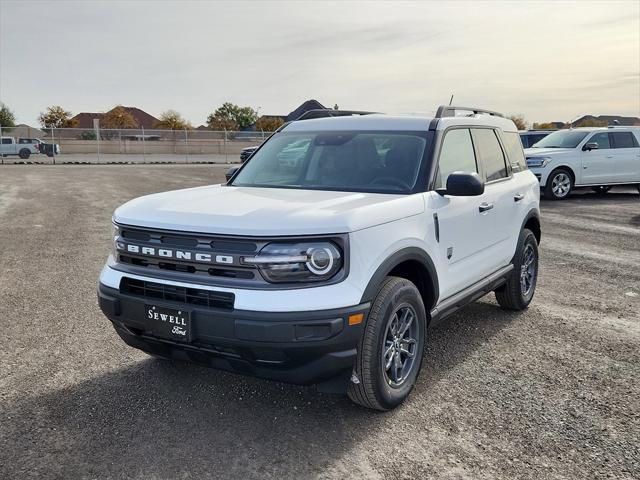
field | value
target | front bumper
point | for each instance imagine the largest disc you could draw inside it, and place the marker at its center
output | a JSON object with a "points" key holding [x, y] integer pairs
{"points": [[293, 347], [541, 174]]}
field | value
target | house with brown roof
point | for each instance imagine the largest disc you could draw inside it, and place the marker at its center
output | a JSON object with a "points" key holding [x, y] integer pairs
{"points": [[610, 120], [144, 119]]}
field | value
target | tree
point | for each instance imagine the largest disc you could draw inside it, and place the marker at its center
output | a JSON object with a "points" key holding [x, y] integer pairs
{"points": [[231, 117], [268, 124], [172, 120], [7, 118], [246, 116], [521, 123], [118, 117], [57, 117]]}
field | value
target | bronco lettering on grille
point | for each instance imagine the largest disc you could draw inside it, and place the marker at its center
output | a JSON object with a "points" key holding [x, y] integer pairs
{"points": [[174, 254]]}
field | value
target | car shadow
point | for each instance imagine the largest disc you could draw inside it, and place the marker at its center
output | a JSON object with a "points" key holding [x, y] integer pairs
{"points": [[586, 194], [157, 418]]}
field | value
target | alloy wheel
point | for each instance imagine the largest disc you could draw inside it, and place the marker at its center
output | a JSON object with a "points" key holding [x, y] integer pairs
{"points": [[528, 271], [400, 345], [561, 184]]}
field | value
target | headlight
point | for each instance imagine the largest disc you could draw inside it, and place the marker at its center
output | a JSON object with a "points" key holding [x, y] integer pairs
{"points": [[115, 232], [539, 162], [297, 262]]}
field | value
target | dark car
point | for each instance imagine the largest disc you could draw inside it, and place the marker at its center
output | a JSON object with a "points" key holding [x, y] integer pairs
{"points": [[245, 153], [530, 137]]}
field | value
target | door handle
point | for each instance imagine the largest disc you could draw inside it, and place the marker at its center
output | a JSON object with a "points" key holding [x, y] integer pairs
{"points": [[518, 196], [484, 207], [609, 156]]}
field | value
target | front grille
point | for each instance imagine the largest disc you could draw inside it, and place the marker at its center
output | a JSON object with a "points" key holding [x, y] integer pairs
{"points": [[171, 293], [228, 249]]}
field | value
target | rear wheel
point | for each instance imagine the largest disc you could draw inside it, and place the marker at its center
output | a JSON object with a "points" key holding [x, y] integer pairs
{"points": [[518, 292], [24, 153], [390, 350], [559, 184], [601, 189]]}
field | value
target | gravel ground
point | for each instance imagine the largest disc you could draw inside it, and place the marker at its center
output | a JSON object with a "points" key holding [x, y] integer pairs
{"points": [[548, 393]]}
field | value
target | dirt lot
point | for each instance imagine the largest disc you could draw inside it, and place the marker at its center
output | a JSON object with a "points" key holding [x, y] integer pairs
{"points": [[549, 393]]}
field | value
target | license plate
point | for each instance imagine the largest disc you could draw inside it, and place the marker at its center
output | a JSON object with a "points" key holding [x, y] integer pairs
{"points": [[169, 323]]}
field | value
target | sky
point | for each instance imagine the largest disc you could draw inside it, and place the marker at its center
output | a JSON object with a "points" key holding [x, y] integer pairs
{"points": [[544, 60]]}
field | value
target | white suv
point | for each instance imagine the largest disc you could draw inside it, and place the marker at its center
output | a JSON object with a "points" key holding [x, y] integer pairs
{"points": [[326, 267], [586, 157]]}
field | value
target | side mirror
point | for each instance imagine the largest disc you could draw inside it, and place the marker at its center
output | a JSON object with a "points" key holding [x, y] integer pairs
{"points": [[590, 146], [231, 172], [463, 184]]}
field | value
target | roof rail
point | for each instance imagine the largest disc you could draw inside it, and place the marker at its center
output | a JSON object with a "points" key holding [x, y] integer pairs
{"points": [[450, 111], [330, 112]]}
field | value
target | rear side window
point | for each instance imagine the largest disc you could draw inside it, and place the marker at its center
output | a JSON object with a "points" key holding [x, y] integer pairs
{"points": [[514, 151], [456, 155], [624, 140], [6, 141], [602, 139], [491, 154]]}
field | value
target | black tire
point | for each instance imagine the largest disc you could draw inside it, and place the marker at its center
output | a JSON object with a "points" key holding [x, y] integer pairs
{"points": [[24, 153], [375, 388], [559, 184], [601, 189], [639, 188], [512, 295]]}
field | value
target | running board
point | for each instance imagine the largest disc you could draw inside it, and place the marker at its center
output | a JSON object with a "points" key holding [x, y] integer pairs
{"points": [[470, 294]]}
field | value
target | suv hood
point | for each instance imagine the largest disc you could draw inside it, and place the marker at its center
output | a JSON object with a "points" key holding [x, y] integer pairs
{"points": [[266, 211], [546, 152]]}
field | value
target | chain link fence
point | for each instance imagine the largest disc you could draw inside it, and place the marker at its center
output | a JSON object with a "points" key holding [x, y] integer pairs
{"points": [[78, 145]]}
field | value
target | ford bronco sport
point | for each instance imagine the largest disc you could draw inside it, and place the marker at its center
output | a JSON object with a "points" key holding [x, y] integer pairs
{"points": [[327, 266]]}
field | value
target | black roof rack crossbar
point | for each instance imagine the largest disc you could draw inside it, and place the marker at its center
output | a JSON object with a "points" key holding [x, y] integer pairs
{"points": [[330, 112], [450, 111]]}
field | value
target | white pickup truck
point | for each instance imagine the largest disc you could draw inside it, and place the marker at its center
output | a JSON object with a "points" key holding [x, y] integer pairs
{"points": [[25, 147], [9, 146]]}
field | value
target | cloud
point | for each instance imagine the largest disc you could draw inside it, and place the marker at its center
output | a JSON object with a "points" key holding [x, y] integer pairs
{"points": [[544, 60]]}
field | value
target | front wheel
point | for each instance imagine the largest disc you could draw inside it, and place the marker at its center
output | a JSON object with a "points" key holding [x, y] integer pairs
{"points": [[559, 185], [390, 350], [24, 153], [517, 292]]}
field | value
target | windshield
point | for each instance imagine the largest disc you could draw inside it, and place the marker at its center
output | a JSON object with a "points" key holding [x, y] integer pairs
{"points": [[382, 162], [561, 139]]}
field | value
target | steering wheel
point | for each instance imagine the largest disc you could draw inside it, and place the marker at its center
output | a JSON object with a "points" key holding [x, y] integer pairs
{"points": [[391, 181]]}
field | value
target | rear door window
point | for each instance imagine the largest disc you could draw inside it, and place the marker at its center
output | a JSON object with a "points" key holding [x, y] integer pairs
{"points": [[624, 140], [491, 154]]}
